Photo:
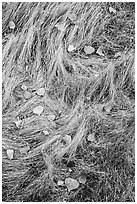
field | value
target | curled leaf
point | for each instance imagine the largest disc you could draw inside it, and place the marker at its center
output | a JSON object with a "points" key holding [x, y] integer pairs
{"points": [[82, 179]]}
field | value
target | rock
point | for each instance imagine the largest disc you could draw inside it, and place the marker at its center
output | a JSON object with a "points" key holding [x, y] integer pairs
{"points": [[60, 183], [12, 25], [82, 179], [89, 50], [71, 183], [38, 110], [91, 137], [71, 48], [10, 153], [27, 95], [41, 92]]}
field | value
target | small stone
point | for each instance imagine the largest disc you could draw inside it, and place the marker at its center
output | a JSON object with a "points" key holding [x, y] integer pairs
{"points": [[71, 48], [112, 10], [12, 25], [89, 49], [82, 179], [10, 153], [45, 132], [27, 95], [41, 92], [60, 183], [51, 117], [91, 137], [71, 183], [24, 87], [38, 110]]}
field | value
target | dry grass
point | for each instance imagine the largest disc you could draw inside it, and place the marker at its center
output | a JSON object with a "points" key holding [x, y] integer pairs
{"points": [[87, 94]]}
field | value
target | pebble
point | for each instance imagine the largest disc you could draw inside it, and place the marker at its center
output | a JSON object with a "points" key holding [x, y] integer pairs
{"points": [[38, 110], [89, 49], [41, 92], [60, 183], [71, 48], [71, 183], [91, 137], [27, 95], [10, 153], [12, 25], [51, 117]]}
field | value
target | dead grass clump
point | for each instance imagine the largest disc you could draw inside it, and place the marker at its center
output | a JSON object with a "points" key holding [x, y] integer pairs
{"points": [[84, 95]]}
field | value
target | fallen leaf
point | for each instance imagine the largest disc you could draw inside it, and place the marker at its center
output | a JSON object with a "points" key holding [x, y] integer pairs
{"points": [[24, 87], [99, 51], [91, 137], [89, 49], [112, 10], [71, 48], [82, 179], [60, 183], [51, 117], [71, 183], [67, 139], [38, 110], [70, 170], [27, 95], [11, 24], [24, 150], [45, 132], [10, 153], [18, 122], [41, 92]]}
